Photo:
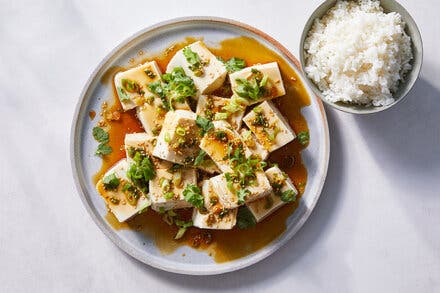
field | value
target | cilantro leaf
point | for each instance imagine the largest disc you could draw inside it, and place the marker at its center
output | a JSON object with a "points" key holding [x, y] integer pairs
{"points": [[244, 168], [103, 138], [176, 87], [194, 196], [204, 124], [141, 171], [304, 137], [253, 88], [100, 135], [191, 56], [195, 63], [103, 150], [242, 194], [247, 89], [245, 219], [288, 195], [110, 182], [234, 64], [157, 88], [179, 86]]}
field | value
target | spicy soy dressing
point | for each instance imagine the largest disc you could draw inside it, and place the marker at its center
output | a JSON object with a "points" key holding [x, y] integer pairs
{"points": [[223, 245]]}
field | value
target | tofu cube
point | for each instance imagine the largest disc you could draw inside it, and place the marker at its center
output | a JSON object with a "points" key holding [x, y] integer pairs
{"points": [[116, 198], [269, 126], [229, 199], [166, 189], [178, 141], [145, 143], [210, 197], [274, 86], [265, 206], [212, 73], [208, 106], [152, 114], [253, 145], [138, 141], [216, 217], [224, 221], [217, 142], [131, 84]]}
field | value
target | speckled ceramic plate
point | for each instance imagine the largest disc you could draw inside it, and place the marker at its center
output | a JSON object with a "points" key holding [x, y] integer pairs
{"points": [[85, 164]]}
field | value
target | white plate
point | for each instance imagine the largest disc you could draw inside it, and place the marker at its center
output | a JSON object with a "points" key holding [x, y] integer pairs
{"points": [[85, 164]]}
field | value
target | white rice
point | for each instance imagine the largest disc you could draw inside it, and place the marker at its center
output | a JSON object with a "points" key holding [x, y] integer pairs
{"points": [[357, 53]]}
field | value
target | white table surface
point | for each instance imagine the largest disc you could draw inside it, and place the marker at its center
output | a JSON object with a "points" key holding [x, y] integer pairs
{"points": [[376, 227]]}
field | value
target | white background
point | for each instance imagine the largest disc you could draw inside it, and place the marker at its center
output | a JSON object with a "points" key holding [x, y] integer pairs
{"points": [[376, 227]]}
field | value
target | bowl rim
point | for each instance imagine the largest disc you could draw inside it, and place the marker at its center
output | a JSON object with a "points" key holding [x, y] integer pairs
{"points": [[82, 189], [370, 110]]}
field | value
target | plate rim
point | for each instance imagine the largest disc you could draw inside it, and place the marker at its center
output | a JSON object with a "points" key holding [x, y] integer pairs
{"points": [[82, 189]]}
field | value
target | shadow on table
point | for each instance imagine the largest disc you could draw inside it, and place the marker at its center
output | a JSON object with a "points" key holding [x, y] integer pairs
{"points": [[293, 251], [405, 142], [407, 135]]}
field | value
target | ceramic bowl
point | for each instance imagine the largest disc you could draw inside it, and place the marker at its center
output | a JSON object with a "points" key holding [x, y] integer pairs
{"points": [[410, 78]]}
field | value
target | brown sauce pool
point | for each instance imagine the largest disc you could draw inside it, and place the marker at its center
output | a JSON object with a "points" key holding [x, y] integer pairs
{"points": [[229, 244]]}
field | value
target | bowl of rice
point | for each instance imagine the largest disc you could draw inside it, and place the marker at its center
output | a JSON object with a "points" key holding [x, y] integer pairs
{"points": [[361, 56]]}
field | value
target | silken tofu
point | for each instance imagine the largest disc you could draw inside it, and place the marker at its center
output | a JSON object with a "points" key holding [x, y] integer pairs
{"points": [[131, 84], [166, 189], [220, 141], [212, 107], [145, 143], [223, 221], [269, 72], [178, 141], [271, 129], [117, 198], [209, 76], [265, 206], [229, 199], [215, 216], [140, 140], [152, 113], [253, 145]]}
